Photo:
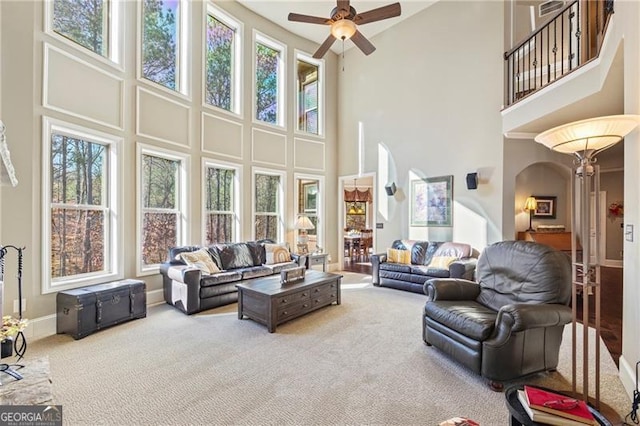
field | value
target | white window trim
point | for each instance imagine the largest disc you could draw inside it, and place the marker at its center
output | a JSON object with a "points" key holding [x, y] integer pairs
{"points": [[237, 201], [320, 63], [116, 34], [282, 76], [183, 191], [114, 258], [281, 197], [238, 78], [320, 210], [184, 67]]}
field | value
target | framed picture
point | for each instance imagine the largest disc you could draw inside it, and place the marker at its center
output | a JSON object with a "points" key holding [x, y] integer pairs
{"points": [[418, 203], [432, 201], [310, 195], [545, 207]]}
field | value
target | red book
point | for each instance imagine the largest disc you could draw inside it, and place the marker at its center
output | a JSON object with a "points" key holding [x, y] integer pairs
{"points": [[560, 405]]}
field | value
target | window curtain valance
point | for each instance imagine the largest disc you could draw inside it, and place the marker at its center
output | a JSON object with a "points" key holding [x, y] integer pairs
{"points": [[358, 195]]}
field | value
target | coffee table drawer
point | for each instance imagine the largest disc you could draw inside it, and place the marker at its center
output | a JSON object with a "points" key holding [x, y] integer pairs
{"points": [[294, 309], [293, 298], [325, 289]]}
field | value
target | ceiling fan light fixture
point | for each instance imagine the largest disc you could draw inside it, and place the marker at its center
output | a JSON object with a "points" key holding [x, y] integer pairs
{"points": [[343, 29]]}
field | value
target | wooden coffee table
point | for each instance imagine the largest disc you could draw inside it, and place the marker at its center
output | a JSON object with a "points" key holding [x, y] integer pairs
{"points": [[267, 301]]}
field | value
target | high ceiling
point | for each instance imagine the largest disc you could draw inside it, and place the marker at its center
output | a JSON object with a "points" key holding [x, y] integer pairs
{"points": [[277, 11]]}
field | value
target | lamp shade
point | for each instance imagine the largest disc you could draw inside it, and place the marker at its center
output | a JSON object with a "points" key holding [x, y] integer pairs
{"points": [[343, 29], [304, 222], [530, 204], [593, 134]]}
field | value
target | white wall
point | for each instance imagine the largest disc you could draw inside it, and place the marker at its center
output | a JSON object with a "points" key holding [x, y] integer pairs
{"points": [[431, 93], [124, 109]]}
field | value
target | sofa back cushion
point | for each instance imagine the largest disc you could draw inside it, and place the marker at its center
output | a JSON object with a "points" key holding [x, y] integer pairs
{"points": [[523, 272], [457, 250], [419, 249], [174, 252], [232, 255]]}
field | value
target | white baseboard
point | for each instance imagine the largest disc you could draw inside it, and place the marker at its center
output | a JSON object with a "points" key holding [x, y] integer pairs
{"points": [[613, 263], [46, 326], [627, 376]]}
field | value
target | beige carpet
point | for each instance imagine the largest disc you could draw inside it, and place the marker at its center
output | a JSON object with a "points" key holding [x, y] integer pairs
{"points": [[362, 362]]}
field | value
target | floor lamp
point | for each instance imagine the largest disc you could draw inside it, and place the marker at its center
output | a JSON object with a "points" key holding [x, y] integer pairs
{"points": [[585, 139]]}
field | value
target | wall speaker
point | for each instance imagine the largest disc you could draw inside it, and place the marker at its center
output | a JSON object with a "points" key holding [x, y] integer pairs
{"points": [[472, 181], [390, 188]]}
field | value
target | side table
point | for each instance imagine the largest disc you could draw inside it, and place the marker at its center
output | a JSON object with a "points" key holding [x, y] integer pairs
{"points": [[519, 417], [318, 259]]}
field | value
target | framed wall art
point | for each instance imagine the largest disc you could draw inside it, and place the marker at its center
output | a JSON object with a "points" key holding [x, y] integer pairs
{"points": [[546, 206], [432, 201]]}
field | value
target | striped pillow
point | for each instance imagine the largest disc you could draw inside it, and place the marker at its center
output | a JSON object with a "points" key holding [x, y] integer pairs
{"points": [[399, 256]]}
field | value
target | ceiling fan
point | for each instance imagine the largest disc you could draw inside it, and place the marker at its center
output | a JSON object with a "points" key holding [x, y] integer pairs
{"points": [[344, 21]]}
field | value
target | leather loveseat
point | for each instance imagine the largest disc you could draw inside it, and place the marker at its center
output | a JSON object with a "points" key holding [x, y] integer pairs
{"points": [[198, 278], [424, 260], [509, 322]]}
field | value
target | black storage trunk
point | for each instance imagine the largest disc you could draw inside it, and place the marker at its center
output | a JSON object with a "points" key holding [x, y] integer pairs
{"points": [[82, 311]]}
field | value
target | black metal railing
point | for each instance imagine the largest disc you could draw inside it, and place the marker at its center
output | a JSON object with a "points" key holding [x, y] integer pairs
{"points": [[568, 40]]}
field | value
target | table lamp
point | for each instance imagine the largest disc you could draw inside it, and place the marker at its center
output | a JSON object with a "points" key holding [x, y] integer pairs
{"points": [[303, 224]]}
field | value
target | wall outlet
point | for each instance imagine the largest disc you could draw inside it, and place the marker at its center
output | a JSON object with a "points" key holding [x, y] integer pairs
{"points": [[16, 308]]}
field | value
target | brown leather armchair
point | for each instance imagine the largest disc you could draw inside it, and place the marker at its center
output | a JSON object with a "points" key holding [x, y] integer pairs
{"points": [[509, 323]]}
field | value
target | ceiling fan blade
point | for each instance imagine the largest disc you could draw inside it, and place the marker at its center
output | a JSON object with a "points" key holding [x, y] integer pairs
{"points": [[343, 5], [378, 14], [296, 17], [324, 47], [362, 42]]}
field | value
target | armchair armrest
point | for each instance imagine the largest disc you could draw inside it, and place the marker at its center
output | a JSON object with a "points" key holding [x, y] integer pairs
{"points": [[451, 289], [521, 316], [376, 260], [463, 268]]}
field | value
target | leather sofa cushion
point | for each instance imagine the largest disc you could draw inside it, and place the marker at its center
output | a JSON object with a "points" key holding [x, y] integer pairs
{"points": [[255, 272], [401, 276], [467, 317], [450, 249], [429, 272], [395, 267], [233, 255], [175, 251], [220, 278], [418, 249]]}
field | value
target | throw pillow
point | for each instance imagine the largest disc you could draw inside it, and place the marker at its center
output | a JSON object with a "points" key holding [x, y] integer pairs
{"points": [[276, 253], [200, 259], [399, 256], [442, 262]]}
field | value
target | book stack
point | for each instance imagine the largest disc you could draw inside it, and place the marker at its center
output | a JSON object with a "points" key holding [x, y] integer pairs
{"points": [[554, 409]]}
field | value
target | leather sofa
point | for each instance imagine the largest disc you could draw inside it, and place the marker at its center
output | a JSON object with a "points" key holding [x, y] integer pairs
{"points": [[509, 322], [424, 264], [191, 289]]}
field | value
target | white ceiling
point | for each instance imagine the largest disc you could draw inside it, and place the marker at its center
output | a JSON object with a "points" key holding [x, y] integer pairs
{"points": [[277, 11]]}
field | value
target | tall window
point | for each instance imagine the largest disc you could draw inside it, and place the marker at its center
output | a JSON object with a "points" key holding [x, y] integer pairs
{"points": [[80, 218], [269, 80], [222, 61], [162, 197], [91, 24], [84, 22], [268, 205], [221, 203], [161, 42], [309, 89]]}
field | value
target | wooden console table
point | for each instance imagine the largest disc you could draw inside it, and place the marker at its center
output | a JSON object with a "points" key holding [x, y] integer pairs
{"points": [[558, 240]]}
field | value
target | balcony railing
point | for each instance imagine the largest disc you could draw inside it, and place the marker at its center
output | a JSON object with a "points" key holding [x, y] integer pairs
{"points": [[568, 40]]}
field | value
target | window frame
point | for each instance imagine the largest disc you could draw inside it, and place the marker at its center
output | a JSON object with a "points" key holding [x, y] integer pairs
{"points": [[182, 187], [210, 9], [320, 208], [237, 199], [116, 34], [113, 226], [320, 63], [272, 43], [281, 198], [184, 60]]}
